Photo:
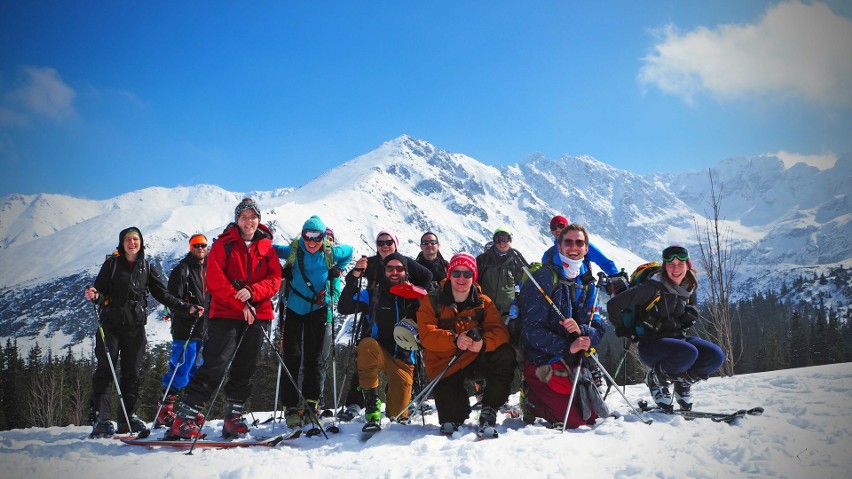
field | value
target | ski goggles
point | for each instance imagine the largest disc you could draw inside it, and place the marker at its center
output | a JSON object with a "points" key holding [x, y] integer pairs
{"points": [[558, 227], [672, 252], [384, 242], [313, 236], [503, 239]]}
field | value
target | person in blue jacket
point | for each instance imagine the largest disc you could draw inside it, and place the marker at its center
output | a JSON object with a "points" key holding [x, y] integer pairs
{"points": [[552, 346], [311, 261], [557, 223]]}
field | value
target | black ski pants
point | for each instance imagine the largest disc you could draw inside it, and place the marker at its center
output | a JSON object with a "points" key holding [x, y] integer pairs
{"points": [[496, 367], [128, 343], [221, 346], [303, 340]]}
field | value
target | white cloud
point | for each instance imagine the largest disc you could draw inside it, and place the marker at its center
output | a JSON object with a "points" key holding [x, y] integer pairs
{"points": [[43, 92], [793, 49], [822, 162]]}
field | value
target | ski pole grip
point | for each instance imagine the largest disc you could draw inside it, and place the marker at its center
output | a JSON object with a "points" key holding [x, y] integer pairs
{"points": [[474, 334]]}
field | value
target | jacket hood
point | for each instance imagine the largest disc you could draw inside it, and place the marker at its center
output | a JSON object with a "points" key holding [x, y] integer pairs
{"points": [[124, 233]]}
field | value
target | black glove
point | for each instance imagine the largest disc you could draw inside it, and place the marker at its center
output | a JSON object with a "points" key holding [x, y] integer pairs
{"points": [[689, 317]]}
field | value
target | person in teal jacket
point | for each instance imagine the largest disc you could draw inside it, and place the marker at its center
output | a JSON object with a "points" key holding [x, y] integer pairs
{"points": [[312, 261]]}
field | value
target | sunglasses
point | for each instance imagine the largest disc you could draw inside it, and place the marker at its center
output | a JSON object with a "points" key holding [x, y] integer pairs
{"points": [[428, 242], [199, 245], [384, 242], [312, 236], [570, 242], [502, 239], [394, 269], [458, 274], [558, 227]]}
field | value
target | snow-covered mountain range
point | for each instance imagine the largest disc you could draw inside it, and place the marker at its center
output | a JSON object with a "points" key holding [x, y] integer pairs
{"points": [[784, 222]]}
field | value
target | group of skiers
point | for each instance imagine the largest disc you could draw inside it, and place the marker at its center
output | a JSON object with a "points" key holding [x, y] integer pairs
{"points": [[468, 319]]}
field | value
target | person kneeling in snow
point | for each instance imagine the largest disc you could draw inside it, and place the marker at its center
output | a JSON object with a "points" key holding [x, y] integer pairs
{"points": [[460, 324], [553, 346]]}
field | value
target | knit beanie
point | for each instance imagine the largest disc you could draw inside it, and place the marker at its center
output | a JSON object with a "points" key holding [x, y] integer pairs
{"points": [[314, 223], [390, 233], [397, 256], [462, 259], [246, 204]]}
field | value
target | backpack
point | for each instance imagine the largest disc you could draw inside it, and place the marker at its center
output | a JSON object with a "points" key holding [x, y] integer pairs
{"points": [[633, 321]]}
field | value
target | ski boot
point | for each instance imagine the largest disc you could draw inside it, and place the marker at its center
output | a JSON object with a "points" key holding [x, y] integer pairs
{"points": [[657, 384], [293, 418], [372, 410], [448, 428], [166, 416], [100, 428], [234, 424], [136, 425], [187, 423], [488, 423]]}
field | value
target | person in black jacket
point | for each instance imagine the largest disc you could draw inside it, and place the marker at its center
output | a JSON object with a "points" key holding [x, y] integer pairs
{"points": [[121, 289], [387, 242], [188, 331], [659, 312], [431, 258], [377, 350]]}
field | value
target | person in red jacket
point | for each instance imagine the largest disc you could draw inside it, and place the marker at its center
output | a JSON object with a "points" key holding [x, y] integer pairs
{"points": [[243, 273]]}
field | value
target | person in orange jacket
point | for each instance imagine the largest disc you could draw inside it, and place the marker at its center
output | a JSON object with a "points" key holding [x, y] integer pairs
{"points": [[460, 324]]}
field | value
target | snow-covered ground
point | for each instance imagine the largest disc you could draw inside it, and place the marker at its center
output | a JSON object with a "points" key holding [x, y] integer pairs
{"points": [[806, 432]]}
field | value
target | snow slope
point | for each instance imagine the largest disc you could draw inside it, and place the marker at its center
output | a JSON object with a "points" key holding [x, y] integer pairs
{"points": [[806, 432]]}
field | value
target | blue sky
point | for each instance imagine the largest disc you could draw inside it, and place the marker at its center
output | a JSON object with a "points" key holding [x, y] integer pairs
{"points": [[101, 98]]}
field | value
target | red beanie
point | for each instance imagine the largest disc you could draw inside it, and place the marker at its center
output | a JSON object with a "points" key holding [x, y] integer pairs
{"points": [[462, 259]]}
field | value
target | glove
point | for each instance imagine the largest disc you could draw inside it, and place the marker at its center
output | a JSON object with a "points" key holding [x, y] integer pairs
{"points": [[689, 317], [513, 311], [334, 272]]}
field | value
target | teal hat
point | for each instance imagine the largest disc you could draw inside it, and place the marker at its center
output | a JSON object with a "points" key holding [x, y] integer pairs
{"points": [[314, 223]]}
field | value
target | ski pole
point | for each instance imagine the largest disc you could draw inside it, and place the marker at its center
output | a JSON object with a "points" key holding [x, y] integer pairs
{"points": [[573, 391], [282, 316], [112, 370], [219, 388], [579, 368], [179, 363], [594, 356], [333, 427], [473, 334], [311, 414], [618, 367], [353, 342], [561, 316]]}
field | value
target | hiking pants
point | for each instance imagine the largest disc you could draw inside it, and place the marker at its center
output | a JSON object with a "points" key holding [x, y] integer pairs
{"points": [[303, 341], [372, 358], [128, 342], [676, 356], [496, 367], [221, 345]]}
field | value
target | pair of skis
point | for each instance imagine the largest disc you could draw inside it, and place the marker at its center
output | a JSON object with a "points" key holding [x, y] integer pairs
{"points": [[726, 417], [270, 441]]}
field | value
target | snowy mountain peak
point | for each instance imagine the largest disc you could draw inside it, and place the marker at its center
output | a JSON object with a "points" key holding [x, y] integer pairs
{"points": [[411, 186]]}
